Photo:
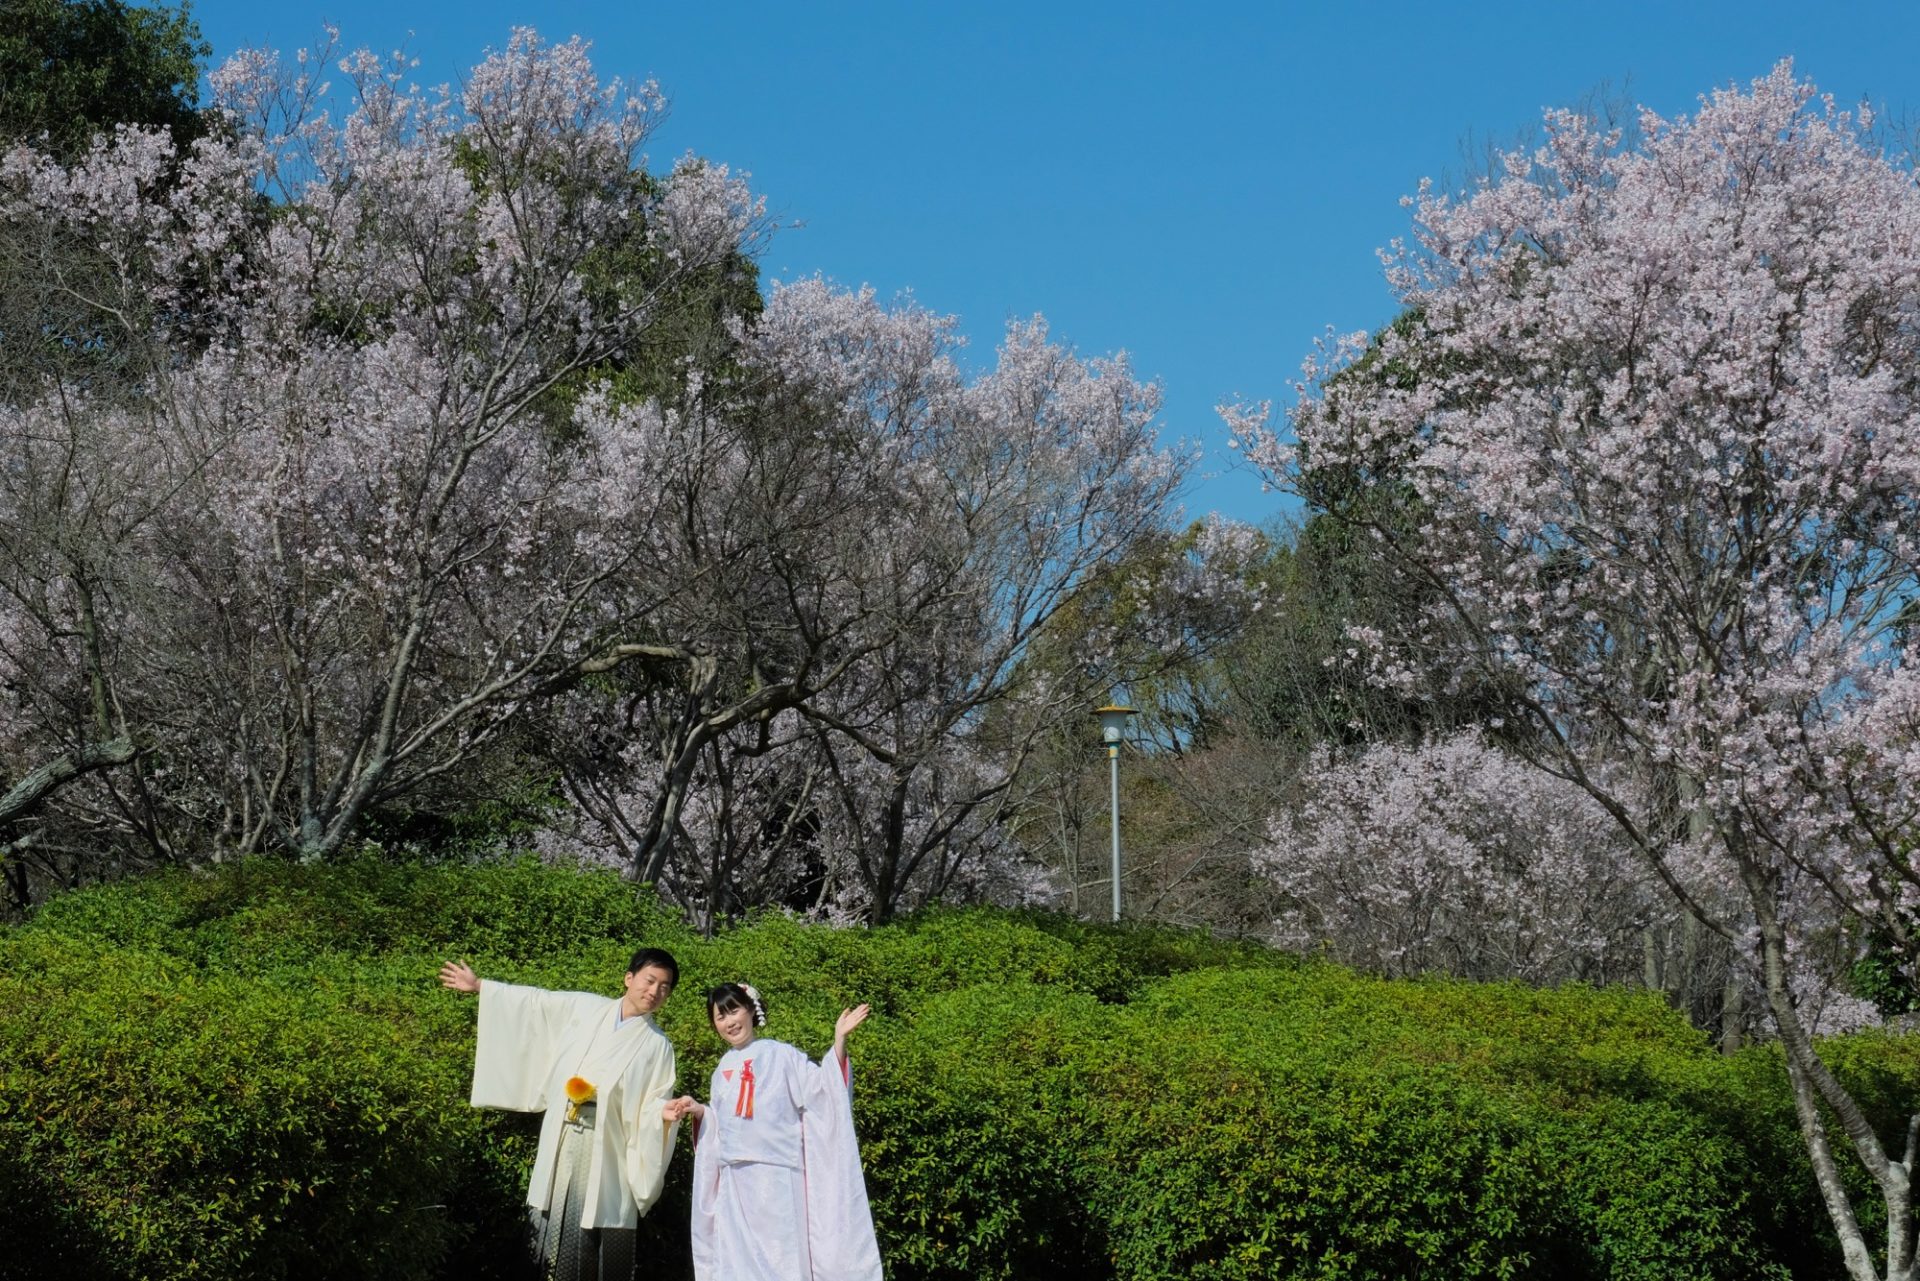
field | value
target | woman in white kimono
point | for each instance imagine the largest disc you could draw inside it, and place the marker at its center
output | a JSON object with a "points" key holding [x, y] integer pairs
{"points": [[602, 1071], [777, 1189]]}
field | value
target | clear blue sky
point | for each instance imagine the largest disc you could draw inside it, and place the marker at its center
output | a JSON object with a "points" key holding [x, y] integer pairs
{"points": [[1201, 185]]}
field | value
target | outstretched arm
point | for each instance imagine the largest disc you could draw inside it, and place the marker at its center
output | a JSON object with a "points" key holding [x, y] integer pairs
{"points": [[459, 976], [848, 1020]]}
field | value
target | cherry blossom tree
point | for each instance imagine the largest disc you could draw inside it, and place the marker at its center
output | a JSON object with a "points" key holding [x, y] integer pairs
{"points": [[107, 261], [363, 500], [1657, 419], [746, 827], [445, 440], [872, 542], [1020, 489], [1456, 857]]}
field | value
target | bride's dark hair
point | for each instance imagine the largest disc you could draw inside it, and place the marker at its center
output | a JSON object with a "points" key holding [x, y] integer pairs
{"points": [[736, 996]]}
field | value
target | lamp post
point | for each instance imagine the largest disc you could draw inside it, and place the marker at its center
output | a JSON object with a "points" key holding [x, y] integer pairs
{"points": [[1113, 728]]}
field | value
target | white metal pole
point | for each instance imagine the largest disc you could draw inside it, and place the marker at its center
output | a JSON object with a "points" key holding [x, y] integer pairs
{"points": [[1113, 757]]}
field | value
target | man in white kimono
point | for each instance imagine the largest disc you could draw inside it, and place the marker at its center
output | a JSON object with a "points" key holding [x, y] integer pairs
{"points": [[602, 1071]]}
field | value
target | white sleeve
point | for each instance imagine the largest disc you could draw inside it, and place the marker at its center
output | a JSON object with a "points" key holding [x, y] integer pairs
{"points": [[706, 1191], [519, 1035], [839, 1221], [649, 1136]]}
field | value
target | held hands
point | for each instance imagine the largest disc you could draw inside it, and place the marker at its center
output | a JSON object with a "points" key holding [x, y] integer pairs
{"points": [[684, 1106], [459, 976]]}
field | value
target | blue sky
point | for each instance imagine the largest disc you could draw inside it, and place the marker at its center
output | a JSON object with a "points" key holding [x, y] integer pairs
{"points": [[1201, 185]]}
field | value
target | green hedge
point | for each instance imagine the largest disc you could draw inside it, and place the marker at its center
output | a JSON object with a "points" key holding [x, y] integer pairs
{"points": [[253, 1073], [192, 1123]]}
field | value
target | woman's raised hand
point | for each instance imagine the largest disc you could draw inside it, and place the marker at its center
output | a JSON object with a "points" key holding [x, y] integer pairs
{"points": [[849, 1020]]}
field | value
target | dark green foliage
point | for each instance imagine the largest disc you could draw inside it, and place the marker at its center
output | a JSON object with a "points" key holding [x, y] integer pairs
{"points": [[224, 1125], [264, 913], [1880, 976], [253, 1073], [978, 1123], [72, 68]]}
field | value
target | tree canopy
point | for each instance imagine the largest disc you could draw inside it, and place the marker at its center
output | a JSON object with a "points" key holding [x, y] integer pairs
{"points": [[73, 69], [439, 453]]}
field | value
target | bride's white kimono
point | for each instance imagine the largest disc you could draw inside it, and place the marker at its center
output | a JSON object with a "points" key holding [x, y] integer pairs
{"points": [[530, 1041], [777, 1189]]}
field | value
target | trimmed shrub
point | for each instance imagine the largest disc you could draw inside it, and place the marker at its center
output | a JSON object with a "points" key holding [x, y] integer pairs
{"points": [[1315, 1123], [254, 1073], [259, 914], [222, 1126], [977, 1123]]}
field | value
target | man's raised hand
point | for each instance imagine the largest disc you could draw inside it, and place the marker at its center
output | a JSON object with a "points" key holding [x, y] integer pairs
{"points": [[459, 976]]}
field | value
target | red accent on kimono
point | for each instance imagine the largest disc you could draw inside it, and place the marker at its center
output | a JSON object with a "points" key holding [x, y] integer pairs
{"points": [[743, 1101]]}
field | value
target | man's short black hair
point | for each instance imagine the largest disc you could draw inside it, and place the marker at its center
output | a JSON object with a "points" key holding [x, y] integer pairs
{"points": [[655, 956]]}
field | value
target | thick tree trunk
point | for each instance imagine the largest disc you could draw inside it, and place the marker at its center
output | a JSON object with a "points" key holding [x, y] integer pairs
{"points": [[1733, 1006]]}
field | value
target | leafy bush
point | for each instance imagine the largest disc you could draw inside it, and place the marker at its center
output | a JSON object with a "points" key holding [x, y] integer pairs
{"points": [[261, 913], [254, 1073], [976, 1121], [220, 1125]]}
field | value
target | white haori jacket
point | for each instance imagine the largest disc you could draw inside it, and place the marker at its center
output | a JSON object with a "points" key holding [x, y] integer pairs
{"points": [[531, 1041]]}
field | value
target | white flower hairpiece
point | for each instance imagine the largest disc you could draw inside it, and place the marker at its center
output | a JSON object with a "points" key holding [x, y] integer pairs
{"points": [[759, 1010]]}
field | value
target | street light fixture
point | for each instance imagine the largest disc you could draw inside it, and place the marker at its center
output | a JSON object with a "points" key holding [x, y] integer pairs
{"points": [[1113, 729]]}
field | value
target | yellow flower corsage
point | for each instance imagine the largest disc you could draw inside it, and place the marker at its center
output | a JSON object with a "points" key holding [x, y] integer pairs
{"points": [[579, 1090]]}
